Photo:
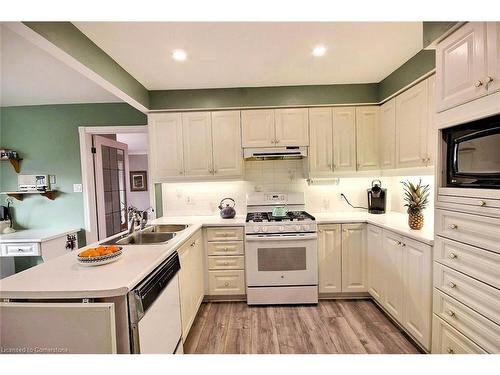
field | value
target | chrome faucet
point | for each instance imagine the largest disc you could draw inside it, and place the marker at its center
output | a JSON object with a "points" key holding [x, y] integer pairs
{"points": [[144, 217], [134, 218]]}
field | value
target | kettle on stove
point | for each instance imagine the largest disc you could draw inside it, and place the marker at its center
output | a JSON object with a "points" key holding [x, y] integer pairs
{"points": [[227, 211]]}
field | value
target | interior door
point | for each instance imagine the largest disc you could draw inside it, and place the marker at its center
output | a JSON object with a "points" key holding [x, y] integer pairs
{"points": [[112, 183], [321, 142], [344, 139]]}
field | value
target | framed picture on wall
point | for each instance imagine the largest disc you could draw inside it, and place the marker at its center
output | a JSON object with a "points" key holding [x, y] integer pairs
{"points": [[138, 180]]}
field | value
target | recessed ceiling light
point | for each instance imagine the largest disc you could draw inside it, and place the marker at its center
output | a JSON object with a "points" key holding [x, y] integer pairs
{"points": [[319, 51], [179, 55]]}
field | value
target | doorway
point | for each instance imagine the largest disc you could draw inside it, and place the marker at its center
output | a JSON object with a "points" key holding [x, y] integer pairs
{"points": [[115, 176]]}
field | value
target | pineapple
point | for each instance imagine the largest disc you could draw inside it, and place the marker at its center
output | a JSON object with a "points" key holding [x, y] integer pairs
{"points": [[417, 198]]}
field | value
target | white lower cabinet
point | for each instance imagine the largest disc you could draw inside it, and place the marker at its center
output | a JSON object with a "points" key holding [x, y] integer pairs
{"points": [[329, 258], [375, 260], [354, 258], [406, 266], [191, 281], [447, 340]]}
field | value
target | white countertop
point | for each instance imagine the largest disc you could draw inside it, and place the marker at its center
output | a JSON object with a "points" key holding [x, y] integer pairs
{"points": [[63, 277], [35, 235]]}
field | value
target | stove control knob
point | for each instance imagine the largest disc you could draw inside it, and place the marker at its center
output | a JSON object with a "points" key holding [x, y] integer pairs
{"points": [[296, 228], [305, 228], [264, 229], [281, 228], [256, 229]]}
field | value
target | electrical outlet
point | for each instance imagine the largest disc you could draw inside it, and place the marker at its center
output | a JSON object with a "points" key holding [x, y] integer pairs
{"points": [[189, 200], [77, 188], [52, 179]]}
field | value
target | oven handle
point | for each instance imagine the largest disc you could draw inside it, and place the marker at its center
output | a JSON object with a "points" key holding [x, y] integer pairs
{"points": [[309, 236]]}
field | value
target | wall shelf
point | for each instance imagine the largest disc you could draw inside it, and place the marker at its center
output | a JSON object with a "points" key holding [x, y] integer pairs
{"points": [[16, 163], [19, 195]]}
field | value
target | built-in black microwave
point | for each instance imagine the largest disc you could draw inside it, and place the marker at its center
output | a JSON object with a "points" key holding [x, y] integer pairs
{"points": [[473, 154]]}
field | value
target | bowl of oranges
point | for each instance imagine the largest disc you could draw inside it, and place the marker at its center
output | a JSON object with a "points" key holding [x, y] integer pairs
{"points": [[97, 256]]}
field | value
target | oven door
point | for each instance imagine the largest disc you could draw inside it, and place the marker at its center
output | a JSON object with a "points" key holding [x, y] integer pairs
{"points": [[281, 259]]}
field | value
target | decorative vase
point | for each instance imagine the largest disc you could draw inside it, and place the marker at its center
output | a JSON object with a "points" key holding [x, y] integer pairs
{"points": [[415, 219]]}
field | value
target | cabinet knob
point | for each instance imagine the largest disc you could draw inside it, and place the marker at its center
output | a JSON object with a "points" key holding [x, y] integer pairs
{"points": [[226, 284], [453, 226], [181, 172], [451, 313], [403, 244], [488, 80], [226, 263], [451, 284], [482, 203], [399, 243], [277, 141], [194, 243], [450, 351], [452, 256], [479, 83]]}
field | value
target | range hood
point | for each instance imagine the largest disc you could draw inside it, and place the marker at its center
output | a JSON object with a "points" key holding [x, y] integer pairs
{"points": [[275, 153]]}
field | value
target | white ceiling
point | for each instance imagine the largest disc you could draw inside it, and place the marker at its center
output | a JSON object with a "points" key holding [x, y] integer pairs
{"points": [[31, 76], [256, 53], [137, 142]]}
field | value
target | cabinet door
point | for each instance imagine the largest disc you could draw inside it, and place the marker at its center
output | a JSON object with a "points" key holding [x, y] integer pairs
{"points": [[257, 128], [329, 258], [461, 66], [197, 142], [354, 258], [344, 139], [411, 127], [321, 142], [417, 275], [393, 274], [367, 135], [226, 135], [292, 127], [198, 274], [375, 261], [186, 288], [493, 37], [388, 134], [432, 133], [165, 145]]}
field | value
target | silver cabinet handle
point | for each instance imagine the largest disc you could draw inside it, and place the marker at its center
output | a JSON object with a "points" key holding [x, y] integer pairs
{"points": [[482, 203], [479, 83], [451, 313], [450, 351], [277, 141], [193, 244], [399, 243], [453, 226], [488, 80], [451, 284], [403, 244], [452, 256]]}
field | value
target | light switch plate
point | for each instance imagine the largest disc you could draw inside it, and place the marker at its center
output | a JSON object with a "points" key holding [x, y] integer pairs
{"points": [[52, 179], [77, 188]]}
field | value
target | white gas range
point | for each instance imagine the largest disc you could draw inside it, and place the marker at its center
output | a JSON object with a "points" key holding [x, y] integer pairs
{"points": [[281, 250]]}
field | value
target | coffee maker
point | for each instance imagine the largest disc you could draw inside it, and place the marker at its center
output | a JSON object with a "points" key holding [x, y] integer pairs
{"points": [[376, 198]]}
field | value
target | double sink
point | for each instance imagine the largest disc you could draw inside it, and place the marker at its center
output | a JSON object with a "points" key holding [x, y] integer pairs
{"points": [[154, 234]]}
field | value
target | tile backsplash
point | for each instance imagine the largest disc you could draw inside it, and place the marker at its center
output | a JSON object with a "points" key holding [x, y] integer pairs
{"points": [[202, 198]]}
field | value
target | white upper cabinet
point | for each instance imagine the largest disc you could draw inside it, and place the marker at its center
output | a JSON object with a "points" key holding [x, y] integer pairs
{"points": [[257, 128], [367, 137], [344, 139], [197, 143], [329, 258], [388, 134], [321, 142], [432, 133], [226, 136], [461, 66], [493, 46], [165, 141], [354, 258], [411, 127], [292, 127]]}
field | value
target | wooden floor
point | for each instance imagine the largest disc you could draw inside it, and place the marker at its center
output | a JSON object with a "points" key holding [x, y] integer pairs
{"points": [[334, 326]]}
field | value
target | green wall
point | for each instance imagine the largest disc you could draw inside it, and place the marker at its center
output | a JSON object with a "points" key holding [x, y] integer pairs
{"points": [[433, 30], [46, 137]]}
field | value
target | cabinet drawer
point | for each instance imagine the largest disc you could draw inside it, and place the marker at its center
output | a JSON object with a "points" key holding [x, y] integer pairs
{"points": [[447, 340], [226, 263], [225, 248], [488, 207], [478, 263], [225, 234], [477, 295], [226, 282], [475, 230], [476, 327], [21, 249]]}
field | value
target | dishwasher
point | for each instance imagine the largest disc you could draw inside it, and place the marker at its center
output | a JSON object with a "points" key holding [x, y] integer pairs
{"points": [[155, 313]]}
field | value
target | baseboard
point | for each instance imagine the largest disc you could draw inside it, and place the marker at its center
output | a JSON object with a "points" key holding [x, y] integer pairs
{"points": [[340, 295], [227, 298]]}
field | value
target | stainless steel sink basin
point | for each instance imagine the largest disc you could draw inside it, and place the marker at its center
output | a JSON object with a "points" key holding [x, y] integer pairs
{"points": [[166, 228], [142, 238]]}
